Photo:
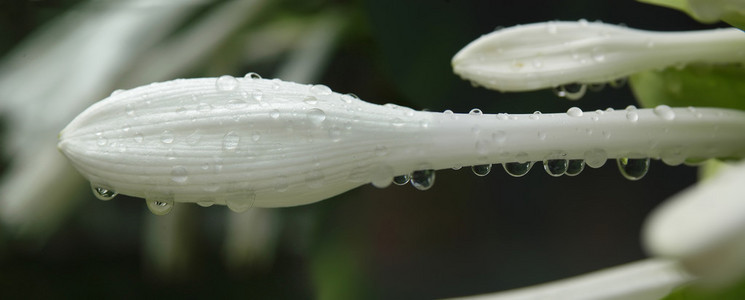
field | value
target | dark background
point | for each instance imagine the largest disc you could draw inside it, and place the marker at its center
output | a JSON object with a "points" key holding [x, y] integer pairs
{"points": [[467, 235]]}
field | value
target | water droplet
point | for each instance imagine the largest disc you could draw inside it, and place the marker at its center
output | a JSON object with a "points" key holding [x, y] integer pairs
{"points": [[448, 112], [116, 92], [316, 116], [583, 22], [204, 107], [274, 114], [230, 141], [160, 206], [205, 203], [103, 193], [320, 89], [252, 75], [481, 170], [242, 204], [664, 112], [255, 136], [633, 168], [632, 116], [517, 169], [226, 83], [311, 100], [674, 156], [476, 111], [166, 137], [382, 176], [397, 122], [535, 116], [335, 133], [138, 137], [551, 27], [574, 112], [575, 166], [401, 179], [101, 141], [555, 167], [423, 179], [179, 174], [537, 63], [573, 91], [595, 158], [257, 95]]}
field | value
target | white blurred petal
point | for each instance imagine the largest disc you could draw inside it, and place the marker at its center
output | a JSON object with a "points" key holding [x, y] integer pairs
{"points": [[544, 55], [704, 227], [648, 279]]}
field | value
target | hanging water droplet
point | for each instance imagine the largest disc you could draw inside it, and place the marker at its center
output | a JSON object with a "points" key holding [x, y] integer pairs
{"points": [[252, 75], [320, 89], [230, 141], [316, 116], [574, 112], [476, 112], [574, 167], [423, 179], [596, 87], [633, 168], [179, 174], [382, 176], [517, 169], [160, 206], [572, 91], [481, 170], [555, 167], [242, 204], [206, 203], [103, 193], [401, 179], [664, 112], [226, 83], [595, 158], [166, 137], [632, 116]]}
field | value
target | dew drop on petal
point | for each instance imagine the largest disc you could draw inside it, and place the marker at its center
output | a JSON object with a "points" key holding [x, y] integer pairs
{"points": [[230, 141], [423, 179], [103, 193], [316, 116], [596, 158], [481, 170], [179, 174], [632, 116], [166, 137], [664, 112], [574, 112], [274, 114], [555, 167], [517, 169], [252, 75], [401, 179], [226, 83], [633, 168], [320, 89], [241, 204], [476, 111], [574, 167], [160, 206]]}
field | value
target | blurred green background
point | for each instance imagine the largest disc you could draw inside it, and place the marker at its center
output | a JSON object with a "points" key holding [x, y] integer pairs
{"points": [[467, 235]]}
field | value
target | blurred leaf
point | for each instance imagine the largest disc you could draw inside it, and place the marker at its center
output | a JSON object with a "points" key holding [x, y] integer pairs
{"points": [[707, 11], [695, 85], [693, 292]]}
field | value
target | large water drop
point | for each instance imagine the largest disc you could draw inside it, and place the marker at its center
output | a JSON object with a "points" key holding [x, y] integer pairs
{"points": [[481, 170], [555, 167], [240, 205], [103, 193], [664, 112], [517, 169], [423, 179], [633, 168], [160, 206], [401, 179], [575, 166], [226, 83], [316, 116]]}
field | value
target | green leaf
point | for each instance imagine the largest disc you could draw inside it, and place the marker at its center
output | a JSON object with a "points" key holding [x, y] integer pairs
{"points": [[729, 11], [694, 85], [694, 292]]}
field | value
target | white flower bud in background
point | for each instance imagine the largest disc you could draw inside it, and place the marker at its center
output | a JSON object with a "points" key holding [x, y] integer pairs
{"points": [[545, 55]]}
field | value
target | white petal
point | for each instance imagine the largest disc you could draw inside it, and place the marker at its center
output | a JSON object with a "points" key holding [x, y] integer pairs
{"points": [[647, 279], [544, 55], [275, 143], [704, 227]]}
